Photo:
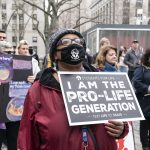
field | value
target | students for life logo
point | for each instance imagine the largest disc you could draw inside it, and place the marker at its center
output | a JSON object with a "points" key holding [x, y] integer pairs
{"points": [[75, 54]]}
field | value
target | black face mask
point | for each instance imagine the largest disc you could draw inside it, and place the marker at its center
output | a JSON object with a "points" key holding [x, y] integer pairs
{"points": [[72, 54]]}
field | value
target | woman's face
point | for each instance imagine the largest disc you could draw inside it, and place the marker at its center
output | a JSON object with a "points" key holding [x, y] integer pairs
{"points": [[23, 50], [111, 56]]}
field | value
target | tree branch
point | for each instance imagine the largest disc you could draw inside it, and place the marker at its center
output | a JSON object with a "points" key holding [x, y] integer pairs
{"points": [[34, 5], [10, 19], [65, 10], [90, 20]]}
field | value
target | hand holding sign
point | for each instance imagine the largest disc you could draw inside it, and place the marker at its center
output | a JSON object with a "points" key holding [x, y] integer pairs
{"points": [[114, 128]]}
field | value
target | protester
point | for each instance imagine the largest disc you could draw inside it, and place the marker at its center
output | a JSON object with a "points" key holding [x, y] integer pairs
{"points": [[2, 35], [141, 82], [2, 125], [44, 123], [103, 42], [23, 49], [107, 59], [6, 47], [132, 58], [33, 53], [88, 57], [11, 128], [46, 61]]}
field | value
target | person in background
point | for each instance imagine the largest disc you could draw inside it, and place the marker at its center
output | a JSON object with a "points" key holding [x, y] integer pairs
{"points": [[103, 42], [44, 123], [88, 57], [6, 48], [2, 35], [33, 53], [141, 82], [46, 61], [2, 125], [11, 128], [132, 58], [23, 49], [106, 59], [121, 66]]}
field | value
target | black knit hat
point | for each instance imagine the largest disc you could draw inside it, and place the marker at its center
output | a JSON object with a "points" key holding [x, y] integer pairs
{"points": [[53, 40]]}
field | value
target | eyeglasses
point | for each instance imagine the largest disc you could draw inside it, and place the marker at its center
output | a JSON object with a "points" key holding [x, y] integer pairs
{"points": [[67, 42]]}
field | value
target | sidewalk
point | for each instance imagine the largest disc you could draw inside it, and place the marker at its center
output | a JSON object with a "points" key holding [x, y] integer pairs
{"points": [[136, 135]]}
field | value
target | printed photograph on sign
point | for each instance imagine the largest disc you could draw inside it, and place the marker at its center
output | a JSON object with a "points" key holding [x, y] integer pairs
{"points": [[6, 70], [92, 98], [14, 71]]}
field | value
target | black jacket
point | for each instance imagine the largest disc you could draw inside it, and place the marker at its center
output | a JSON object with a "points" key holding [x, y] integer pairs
{"points": [[87, 67], [141, 82]]}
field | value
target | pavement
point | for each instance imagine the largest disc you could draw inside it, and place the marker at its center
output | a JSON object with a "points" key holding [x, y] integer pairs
{"points": [[135, 134]]}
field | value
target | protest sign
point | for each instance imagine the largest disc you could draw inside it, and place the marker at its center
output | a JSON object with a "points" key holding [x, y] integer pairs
{"points": [[92, 98], [13, 91]]}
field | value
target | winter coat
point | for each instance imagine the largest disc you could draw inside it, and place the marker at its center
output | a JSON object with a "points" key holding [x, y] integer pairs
{"points": [[141, 82], [44, 124], [132, 59]]}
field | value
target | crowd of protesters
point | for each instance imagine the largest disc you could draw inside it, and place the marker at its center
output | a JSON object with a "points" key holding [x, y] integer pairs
{"points": [[46, 127], [9, 130]]}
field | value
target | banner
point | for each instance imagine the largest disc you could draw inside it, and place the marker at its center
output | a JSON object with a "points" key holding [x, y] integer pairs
{"points": [[96, 97]]}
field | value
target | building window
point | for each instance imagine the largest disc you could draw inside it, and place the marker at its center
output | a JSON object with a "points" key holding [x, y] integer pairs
{"points": [[14, 17], [13, 6], [14, 39], [34, 16], [148, 8], [35, 49], [20, 38], [14, 26], [4, 16], [3, 5], [139, 3], [34, 39], [126, 11], [4, 25], [21, 26], [21, 17], [34, 26]]}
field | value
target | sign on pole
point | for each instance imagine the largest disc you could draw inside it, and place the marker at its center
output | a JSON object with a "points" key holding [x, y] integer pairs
{"points": [[96, 97]]}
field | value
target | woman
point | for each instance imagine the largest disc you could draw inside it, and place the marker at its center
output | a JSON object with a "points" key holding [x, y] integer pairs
{"points": [[141, 83], [106, 59], [103, 42], [44, 125], [23, 49]]}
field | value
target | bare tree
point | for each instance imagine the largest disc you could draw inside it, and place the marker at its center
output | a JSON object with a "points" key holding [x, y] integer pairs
{"points": [[52, 11]]}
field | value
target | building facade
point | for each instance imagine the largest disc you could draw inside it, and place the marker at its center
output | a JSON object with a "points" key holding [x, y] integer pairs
{"points": [[78, 17], [18, 19], [135, 12]]}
